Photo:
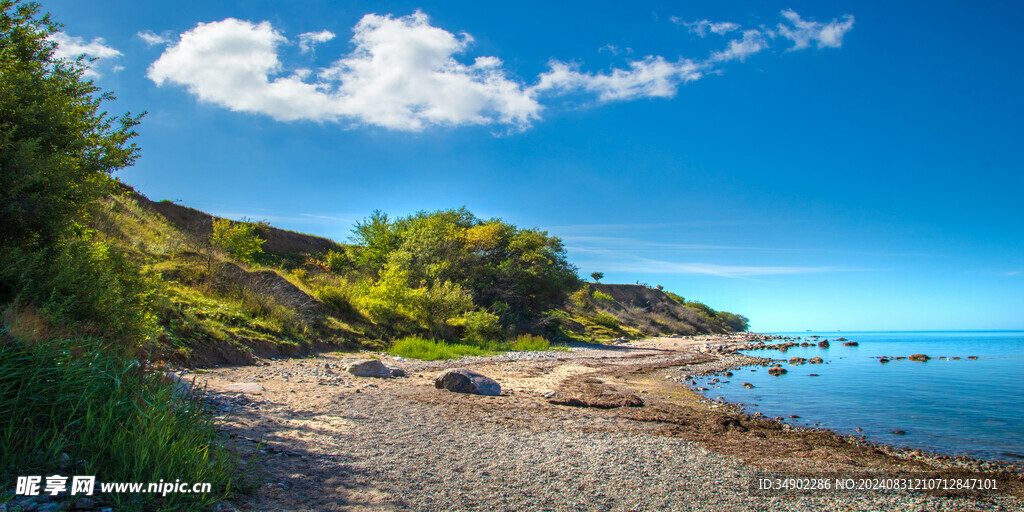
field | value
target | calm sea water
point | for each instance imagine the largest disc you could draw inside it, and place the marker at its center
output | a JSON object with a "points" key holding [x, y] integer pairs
{"points": [[963, 407]]}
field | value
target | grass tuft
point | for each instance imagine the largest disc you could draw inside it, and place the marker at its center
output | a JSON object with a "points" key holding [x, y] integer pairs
{"points": [[415, 347], [71, 407]]}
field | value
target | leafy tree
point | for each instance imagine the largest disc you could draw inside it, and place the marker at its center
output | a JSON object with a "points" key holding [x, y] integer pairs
{"points": [[57, 146], [597, 276], [514, 273], [237, 239]]}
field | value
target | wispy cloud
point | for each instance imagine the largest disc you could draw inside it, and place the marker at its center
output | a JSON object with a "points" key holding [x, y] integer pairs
{"points": [[804, 32], [702, 27], [405, 74], [651, 266], [71, 48], [309, 40], [153, 39]]}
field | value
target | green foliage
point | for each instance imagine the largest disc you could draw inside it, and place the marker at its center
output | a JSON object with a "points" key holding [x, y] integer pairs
{"points": [[581, 299], [606, 320], [733, 322], [678, 298], [338, 262], [415, 347], [478, 326], [393, 301], [86, 283], [599, 295], [74, 398], [57, 146], [238, 239], [597, 276], [519, 271]]}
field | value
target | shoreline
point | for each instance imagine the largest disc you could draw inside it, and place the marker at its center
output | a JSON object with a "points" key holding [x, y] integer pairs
{"points": [[729, 358], [380, 443]]}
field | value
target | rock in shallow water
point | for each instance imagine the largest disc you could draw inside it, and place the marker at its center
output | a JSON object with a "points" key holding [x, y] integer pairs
{"points": [[461, 380]]}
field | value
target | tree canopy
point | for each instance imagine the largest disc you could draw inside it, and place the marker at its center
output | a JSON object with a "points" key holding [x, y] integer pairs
{"points": [[57, 147], [514, 272]]}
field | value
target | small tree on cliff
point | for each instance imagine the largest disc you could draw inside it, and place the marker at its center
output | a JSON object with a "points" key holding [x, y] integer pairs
{"points": [[597, 276]]}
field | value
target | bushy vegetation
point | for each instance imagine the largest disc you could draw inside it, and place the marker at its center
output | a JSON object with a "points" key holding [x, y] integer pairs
{"points": [[76, 307], [73, 406], [720, 320], [237, 239], [445, 275]]}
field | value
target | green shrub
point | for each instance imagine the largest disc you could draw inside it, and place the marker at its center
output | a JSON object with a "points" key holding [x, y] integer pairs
{"points": [[339, 298], [391, 301], [110, 418], [337, 261], [606, 320], [581, 299], [478, 326], [84, 281], [237, 239], [415, 347], [599, 295]]}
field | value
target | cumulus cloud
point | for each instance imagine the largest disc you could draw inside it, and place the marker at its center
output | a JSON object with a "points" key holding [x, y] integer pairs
{"points": [[401, 75], [152, 38], [310, 39], [803, 32], [405, 74], [71, 48]]}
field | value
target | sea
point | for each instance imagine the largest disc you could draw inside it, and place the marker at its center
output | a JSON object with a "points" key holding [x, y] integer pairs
{"points": [[953, 407]]}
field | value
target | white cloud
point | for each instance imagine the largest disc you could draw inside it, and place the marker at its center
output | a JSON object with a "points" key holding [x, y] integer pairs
{"points": [[401, 75], [752, 42], [405, 74], [730, 271], [153, 39], [803, 33], [71, 48], [702, 27], [651, 77], [310, 39]]}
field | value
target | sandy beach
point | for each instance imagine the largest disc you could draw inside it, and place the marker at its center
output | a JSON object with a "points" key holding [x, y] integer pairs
{"points": [[558, 438]]}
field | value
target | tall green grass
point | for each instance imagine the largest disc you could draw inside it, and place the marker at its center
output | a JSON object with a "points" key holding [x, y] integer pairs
{"points": [[415, 347], [73, 408]]}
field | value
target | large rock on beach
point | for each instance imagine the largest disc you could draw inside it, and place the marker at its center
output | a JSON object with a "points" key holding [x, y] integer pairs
{"points": [[369, 368], [461, 380], [919, 357]]}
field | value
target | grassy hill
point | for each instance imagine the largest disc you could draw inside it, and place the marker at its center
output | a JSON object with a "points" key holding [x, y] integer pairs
{"points": [[305, 293]]}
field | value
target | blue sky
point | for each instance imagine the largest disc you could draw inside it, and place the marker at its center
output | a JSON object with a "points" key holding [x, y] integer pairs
{"points": [[812, 165]]}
